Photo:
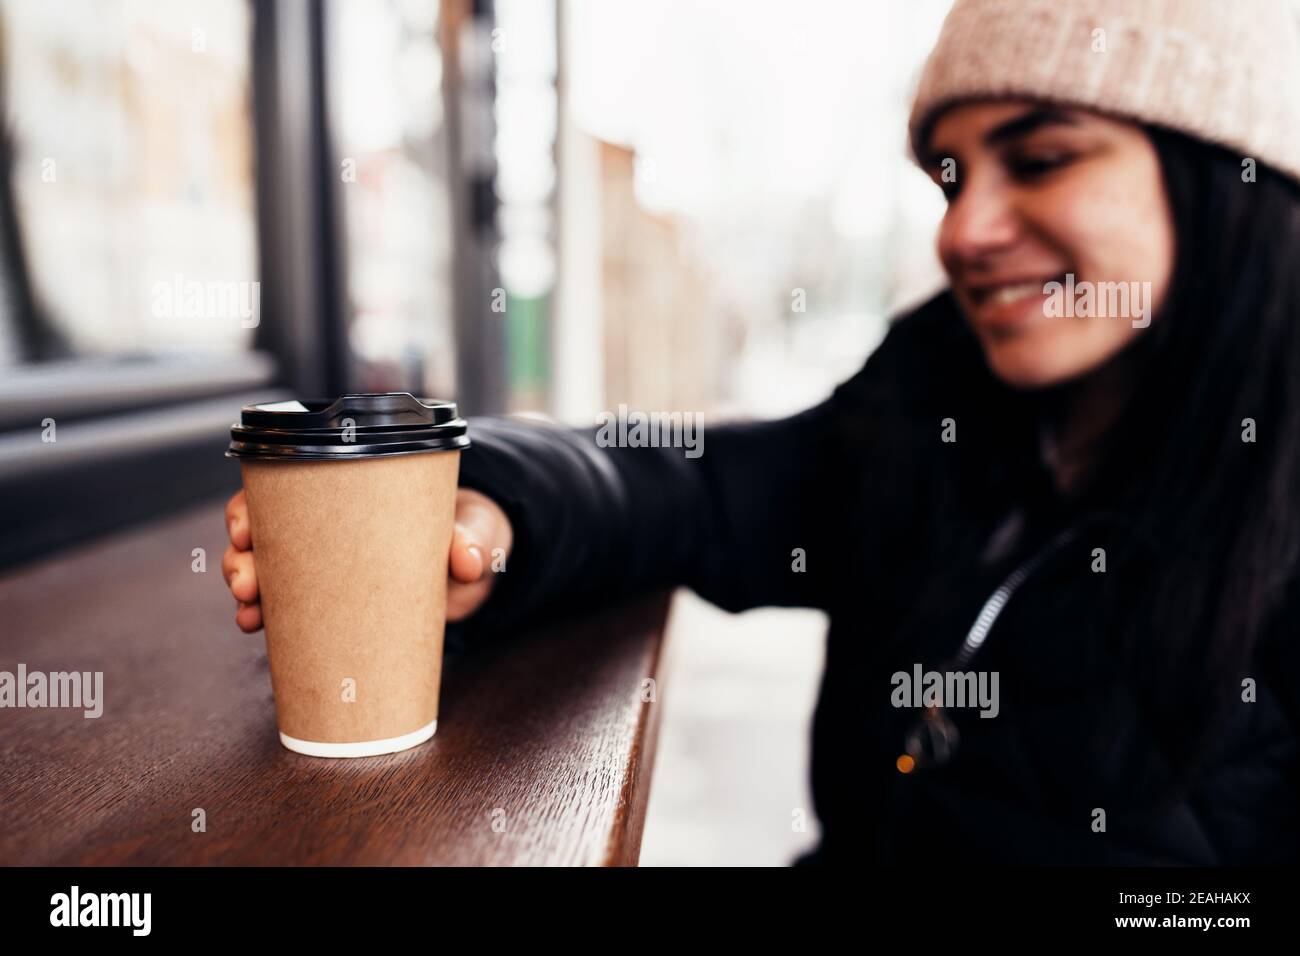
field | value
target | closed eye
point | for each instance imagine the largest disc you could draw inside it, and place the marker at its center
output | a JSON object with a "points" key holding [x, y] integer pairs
{"points": [[1034, 166]]}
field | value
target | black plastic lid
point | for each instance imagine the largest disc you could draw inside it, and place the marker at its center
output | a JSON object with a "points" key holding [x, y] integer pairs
{"points": [[354, 426]]}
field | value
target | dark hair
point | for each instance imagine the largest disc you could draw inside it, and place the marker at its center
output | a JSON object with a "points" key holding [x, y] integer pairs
{"points": [[1224, 512]]}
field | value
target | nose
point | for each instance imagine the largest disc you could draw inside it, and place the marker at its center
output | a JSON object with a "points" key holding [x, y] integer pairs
{"points": [[979, 223]]}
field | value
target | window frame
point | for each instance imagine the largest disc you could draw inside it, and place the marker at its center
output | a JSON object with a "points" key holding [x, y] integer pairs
{"points": [[134, 441]]}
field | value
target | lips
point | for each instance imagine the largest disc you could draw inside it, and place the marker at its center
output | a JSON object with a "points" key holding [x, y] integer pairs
{"points": [[1011, 303], [1002, 291]]}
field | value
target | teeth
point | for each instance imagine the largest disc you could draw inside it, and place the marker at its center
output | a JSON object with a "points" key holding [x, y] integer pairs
{"points": [[1012, 293]]}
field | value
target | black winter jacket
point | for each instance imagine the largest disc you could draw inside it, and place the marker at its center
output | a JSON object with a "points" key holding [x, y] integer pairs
{"points": [[903, 550]]}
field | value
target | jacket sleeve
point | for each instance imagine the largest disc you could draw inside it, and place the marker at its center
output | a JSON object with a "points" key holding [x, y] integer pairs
{"points": [[750, 522]]}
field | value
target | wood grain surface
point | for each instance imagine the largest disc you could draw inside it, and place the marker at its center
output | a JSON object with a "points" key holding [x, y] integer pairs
{"points": [[543, 753]]}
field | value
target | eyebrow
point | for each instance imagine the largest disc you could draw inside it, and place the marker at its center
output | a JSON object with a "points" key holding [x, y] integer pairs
{"points": [[1030, 121], [1027, 123]]}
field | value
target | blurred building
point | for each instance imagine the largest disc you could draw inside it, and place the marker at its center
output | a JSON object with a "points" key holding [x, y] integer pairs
{"points": [[664, 343]]}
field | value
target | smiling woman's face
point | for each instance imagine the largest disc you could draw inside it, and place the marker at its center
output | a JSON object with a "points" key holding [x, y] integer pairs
{"points": [[1038, 193]]}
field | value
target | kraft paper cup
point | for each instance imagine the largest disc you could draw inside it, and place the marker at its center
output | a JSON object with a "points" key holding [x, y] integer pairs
{"points": [[351, 551]]}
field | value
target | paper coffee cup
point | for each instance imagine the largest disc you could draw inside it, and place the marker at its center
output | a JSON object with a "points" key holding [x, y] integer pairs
{"points": [[351, 505]]}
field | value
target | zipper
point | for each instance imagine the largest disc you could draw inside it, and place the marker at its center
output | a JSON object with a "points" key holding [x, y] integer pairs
{"points": [[933, 738], [992, 608]]}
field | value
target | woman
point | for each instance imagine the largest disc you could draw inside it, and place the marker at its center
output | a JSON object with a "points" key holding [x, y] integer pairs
{"points": [[1075, 473]]}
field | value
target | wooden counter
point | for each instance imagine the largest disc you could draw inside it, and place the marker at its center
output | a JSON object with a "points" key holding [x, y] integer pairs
{"points": [[543, 753]]}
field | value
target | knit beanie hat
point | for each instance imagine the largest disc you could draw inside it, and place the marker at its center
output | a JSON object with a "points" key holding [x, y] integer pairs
{"points": [[1223, 71]]}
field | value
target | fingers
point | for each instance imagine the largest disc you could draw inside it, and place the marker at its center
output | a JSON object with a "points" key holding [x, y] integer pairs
{"points": [[237, 525], [237, 564], [464, 599], [466, 562], [482, 531], [240, 574], [249, 617]]}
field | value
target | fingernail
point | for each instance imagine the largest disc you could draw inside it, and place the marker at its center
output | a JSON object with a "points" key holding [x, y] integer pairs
{"points": [[477, 552]]}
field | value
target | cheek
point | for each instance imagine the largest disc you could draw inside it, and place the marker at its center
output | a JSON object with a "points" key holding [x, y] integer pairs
{"points": [[1112, 226], [1104, 233], [942, 247]]}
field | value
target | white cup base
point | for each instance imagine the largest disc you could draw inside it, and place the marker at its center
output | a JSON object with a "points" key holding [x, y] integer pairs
{"points": [[362, 748]]}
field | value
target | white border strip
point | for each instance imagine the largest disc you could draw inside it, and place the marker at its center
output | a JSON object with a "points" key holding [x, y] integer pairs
{"points": [[362, 748]]}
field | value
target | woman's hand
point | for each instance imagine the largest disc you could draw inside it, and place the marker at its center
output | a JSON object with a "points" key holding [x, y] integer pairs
{"points": [[481, 529]]}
